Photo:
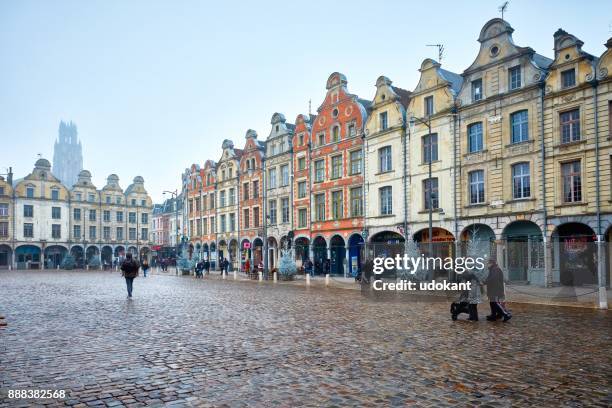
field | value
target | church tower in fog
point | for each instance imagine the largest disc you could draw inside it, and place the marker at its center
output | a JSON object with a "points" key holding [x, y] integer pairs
{"points": [[67, 155]]}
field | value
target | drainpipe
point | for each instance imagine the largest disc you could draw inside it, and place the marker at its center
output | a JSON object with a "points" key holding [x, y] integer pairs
{"points": [[405, 180], [264, 197], [545, 243], [601, 279], [456, 220]]}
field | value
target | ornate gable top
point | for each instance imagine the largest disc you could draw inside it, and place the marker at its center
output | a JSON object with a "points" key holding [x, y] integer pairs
{"points": [[335, 80], [227, 144], [250, 134], [277, 118], [494, 28]]}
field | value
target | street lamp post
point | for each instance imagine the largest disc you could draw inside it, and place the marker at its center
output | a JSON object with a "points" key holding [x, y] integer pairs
{"points": [[174, 195], [427, 122]]}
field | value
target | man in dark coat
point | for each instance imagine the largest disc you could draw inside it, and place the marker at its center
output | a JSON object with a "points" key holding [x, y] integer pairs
{"points": [[129, 269], [496, 293]]}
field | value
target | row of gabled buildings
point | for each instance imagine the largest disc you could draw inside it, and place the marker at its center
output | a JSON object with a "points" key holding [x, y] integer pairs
{"points": [[42, 220], [514, 151]]}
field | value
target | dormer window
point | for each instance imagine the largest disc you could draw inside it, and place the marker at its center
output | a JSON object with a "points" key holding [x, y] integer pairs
{"points": [[91, 198], [277, 128], [568, 78], [383, 121], [301, 139], [351, 130], [321, 139], [55, 194], [476, 90], [336, 134], [30, 192], [514, 77], [78, 197]]}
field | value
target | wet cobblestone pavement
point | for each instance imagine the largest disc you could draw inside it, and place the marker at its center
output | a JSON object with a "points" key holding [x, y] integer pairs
{"points": [[222, 343]]}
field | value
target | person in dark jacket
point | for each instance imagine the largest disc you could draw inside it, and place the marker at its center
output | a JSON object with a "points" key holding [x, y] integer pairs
{"points": [[129, 269], [496, 293]]}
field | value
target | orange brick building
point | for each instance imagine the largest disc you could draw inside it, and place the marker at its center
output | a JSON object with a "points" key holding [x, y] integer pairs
{"points": [[337, 180]]}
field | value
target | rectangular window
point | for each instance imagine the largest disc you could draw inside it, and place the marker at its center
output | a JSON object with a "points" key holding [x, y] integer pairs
{"points": [[119, 234], [568, 78], [285, 209], [570, 126], [245, 218], [386, 200], [213, 225], [430, 189], [55, 194], [4, 209], [521, 187], [430, 148], [119, 216], [319, 170], [351, 130], [429, 105], [2, 192], [76, 213], [301, 139], [132, 218], [118, 200], [476, 90], [383, 121], [321, 139], [28, 211], [232, 196], [30, 192], [106, 233], [222, 221], [4, 229], [475, 143], [256, 189], [108, 199], [519, 125], [301, 187], [144, 218], [56, 213], [91, 198], [132, 234], [336, 134], [232, 222], [106, 215], [356, 161], [384, 159], [302, 218], [514, 77], [144, 234], [337, 205], [245, 191], [212, 201], [197, 204], [28, 230], [320, 207], [285, 175], [256, 217], [76, 232], [222, 199], [92, 232], [357, 202], [301, 163], [272, 178], [272, 211], [572, 182], [477, 188], [92, 215], [336, 167], [56, 231]]}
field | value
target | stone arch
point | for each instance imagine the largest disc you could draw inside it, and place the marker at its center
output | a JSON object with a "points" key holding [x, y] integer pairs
{"points": [[54, 255], [6, 256], [574, 254]]}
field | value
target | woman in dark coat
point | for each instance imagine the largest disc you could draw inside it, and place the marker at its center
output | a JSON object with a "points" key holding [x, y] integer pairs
{"points": [[496, 293], [129, 269]]}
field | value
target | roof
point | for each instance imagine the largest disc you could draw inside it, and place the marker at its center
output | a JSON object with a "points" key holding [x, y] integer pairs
{"points": [[456, 80], [542, 61], [366, 103], [403, 94]]}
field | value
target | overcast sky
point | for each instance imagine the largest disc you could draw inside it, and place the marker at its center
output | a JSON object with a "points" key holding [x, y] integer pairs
{"points": [[154, 86]]}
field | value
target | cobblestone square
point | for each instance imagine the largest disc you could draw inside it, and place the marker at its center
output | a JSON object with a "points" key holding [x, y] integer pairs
{"points": [[210, 342]]}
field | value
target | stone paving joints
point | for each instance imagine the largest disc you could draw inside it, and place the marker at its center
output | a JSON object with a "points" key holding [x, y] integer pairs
{"points": [[216, 343]]}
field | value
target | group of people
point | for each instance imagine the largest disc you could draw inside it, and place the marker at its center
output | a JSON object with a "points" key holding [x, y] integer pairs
{"points": [[202, 266], [469, 299]]}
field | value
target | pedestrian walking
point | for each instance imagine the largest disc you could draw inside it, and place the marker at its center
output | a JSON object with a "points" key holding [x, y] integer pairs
{"points": [[496, 293], [247, 267], [207, 266], [145, 268], [129, 268]]}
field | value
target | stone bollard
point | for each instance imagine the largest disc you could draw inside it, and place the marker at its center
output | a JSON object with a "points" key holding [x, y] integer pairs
{"points": [[87, 267], [235, 275], [274, 277], [307, 279], [327, 279], [223, 273], [260, 276], [57, 267]]}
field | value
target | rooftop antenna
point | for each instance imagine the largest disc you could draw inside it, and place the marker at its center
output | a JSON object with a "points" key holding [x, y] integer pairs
{"points": [[39, 155], [440, 50], [503, 8], [309, 107]]}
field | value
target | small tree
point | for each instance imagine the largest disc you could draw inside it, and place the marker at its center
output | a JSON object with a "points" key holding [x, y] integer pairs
{"points": [[287, 266], [68, 262]]}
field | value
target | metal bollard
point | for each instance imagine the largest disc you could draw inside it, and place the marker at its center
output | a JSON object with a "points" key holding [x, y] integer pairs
{"points": [[260, 276], [275, 278], [307, 279], [327, 279]]}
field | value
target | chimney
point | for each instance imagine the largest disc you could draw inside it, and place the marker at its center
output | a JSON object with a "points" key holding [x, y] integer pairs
{"points": [[9, 178]]}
